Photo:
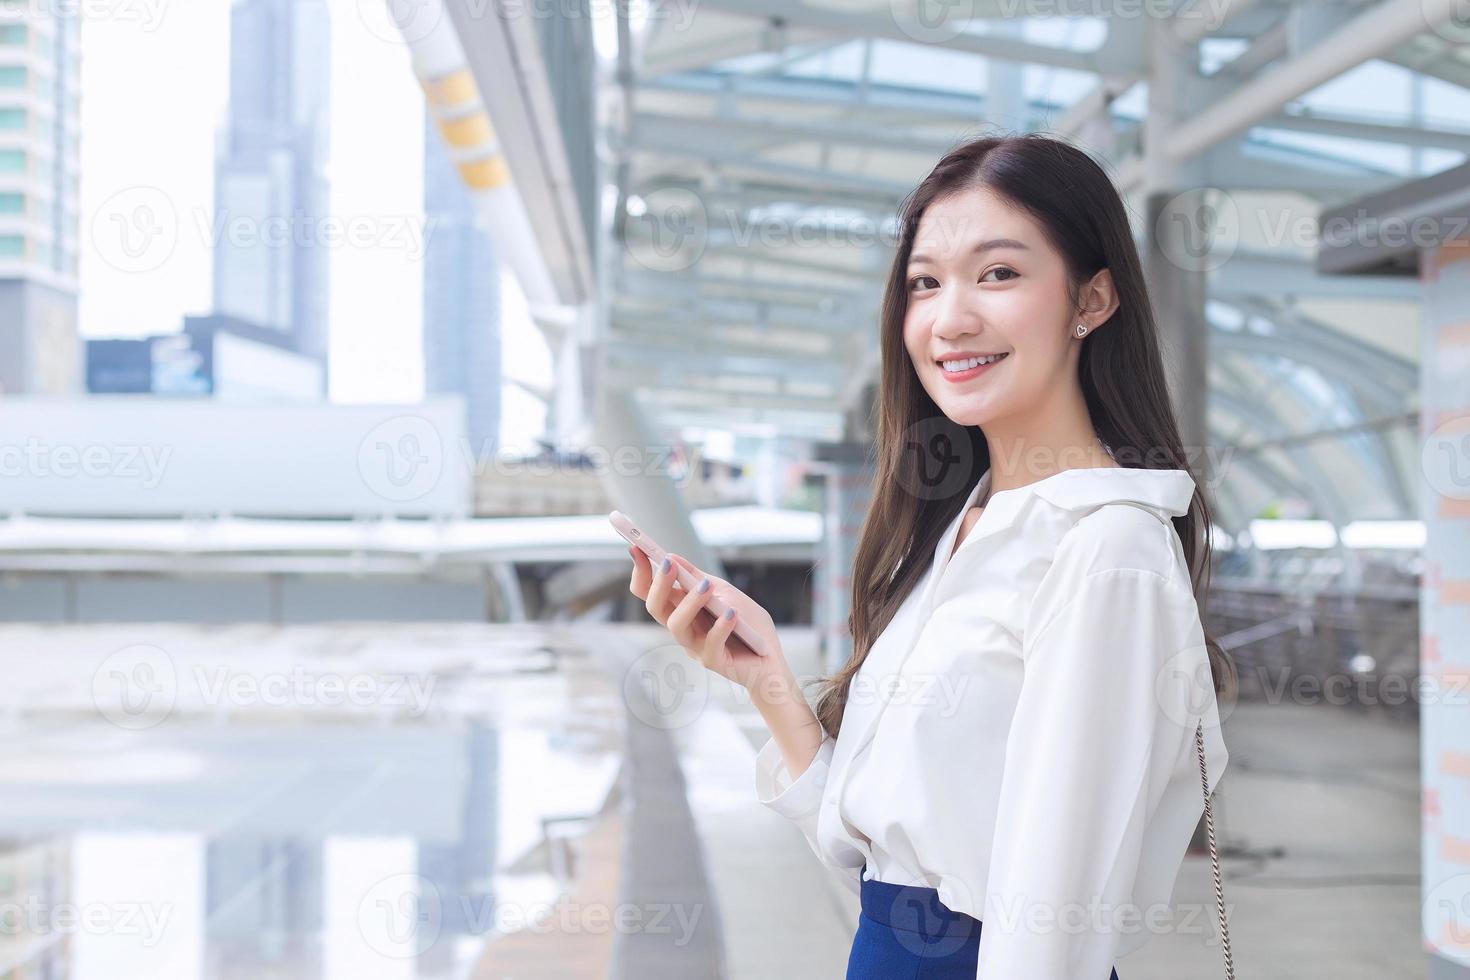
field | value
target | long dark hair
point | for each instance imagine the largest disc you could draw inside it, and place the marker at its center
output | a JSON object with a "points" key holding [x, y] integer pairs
{"points": [[1120, 369]]}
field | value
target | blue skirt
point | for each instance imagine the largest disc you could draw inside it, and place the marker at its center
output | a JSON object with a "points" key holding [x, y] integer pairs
{"points": [[906, 933]]}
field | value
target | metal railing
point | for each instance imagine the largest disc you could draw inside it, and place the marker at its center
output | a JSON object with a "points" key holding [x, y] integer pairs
{"points": [[1355, 647]]}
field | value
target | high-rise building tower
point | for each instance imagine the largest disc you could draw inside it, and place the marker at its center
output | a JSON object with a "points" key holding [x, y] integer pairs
{"points": [[271, 202], [461, 299], [40, 105]]}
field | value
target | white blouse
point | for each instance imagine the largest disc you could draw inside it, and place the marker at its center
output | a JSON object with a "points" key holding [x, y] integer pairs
{"points": [[1021, 735]]}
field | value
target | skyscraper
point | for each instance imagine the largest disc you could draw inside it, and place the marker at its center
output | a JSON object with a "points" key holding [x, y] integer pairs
{"points": [[461, 299], [40, 81], [271, 202]]}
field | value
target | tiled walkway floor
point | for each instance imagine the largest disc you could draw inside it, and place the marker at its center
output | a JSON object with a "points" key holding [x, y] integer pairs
{"points": [[293, 832]]}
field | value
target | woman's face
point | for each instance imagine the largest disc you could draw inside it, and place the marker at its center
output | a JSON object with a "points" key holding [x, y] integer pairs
{"points": [[983, 280]]}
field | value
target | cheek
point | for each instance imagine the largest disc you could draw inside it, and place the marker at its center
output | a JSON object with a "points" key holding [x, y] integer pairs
{"points": [[1044, 340], [1016, 317], [1027, 330], [915, 335]]}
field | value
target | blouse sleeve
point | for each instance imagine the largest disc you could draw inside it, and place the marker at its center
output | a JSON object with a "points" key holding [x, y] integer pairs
{"points": [[1091, 747], [799, 800]]}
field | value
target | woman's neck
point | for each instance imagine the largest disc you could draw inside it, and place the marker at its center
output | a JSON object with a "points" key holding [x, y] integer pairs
{"points": [[1011, 468]]}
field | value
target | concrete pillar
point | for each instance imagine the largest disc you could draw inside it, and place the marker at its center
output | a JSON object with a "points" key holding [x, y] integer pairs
{"points": [[505, 602], [1179, 234], [1444, 609], [1177, 239], [848, 486], [1005, 95], [1180, 223]]}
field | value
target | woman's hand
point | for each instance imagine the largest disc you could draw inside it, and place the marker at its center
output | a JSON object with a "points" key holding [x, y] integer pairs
{"points": [[705, 638]]}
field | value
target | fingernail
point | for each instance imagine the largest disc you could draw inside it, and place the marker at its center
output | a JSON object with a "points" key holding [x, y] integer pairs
{"points": [[703, 585], [666, 563], [730, 613]]}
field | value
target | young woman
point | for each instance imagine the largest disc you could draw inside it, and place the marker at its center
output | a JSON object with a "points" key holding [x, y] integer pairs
{"points": [[1013, 739]]}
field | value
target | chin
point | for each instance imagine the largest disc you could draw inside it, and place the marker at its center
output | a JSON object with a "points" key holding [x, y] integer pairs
{"points": [[965, 413]]}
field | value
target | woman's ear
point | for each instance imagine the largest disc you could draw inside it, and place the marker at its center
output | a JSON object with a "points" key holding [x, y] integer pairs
{"points": [[1098, 300]]}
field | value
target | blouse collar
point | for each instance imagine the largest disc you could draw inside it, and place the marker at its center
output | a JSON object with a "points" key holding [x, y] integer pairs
{"points": [[1167, 491]]}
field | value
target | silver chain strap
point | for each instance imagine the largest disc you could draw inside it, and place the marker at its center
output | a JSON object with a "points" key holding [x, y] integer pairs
{"points": [[1204, 779], [1199, 744]]}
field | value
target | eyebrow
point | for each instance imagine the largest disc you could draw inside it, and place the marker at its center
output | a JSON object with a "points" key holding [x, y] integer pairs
{"points": [[977, 248]]}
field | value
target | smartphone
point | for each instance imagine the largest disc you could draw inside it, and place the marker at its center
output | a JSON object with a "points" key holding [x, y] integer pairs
{"points": [[635, 536]]}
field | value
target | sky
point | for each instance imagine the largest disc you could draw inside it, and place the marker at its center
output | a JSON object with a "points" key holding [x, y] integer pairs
{"points": [[155, 90]]}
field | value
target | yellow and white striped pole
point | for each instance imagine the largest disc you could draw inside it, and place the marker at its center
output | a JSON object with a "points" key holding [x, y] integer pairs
{"points": [[469, 136]]}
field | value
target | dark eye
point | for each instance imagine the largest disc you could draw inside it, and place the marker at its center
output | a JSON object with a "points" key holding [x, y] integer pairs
{"points": [[1001, 268], [914, 282]]}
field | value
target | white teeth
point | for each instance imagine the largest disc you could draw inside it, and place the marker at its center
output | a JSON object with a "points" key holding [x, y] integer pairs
{"points": [[968, 363]]}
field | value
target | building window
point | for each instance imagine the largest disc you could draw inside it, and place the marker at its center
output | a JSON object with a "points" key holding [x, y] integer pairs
{"points": [[13, 34], [12, 247], [12, 120], [12, 76], [12, 161], [12, 203]]}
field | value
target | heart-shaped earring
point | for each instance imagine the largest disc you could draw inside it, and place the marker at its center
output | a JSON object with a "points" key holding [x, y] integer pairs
{"points": [[1081, 330]]}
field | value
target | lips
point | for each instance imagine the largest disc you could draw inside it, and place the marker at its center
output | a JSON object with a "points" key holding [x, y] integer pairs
{"points": [[958, 377]]}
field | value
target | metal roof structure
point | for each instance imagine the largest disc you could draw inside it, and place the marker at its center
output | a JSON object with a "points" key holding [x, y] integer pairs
{"points": [[755, 153]]}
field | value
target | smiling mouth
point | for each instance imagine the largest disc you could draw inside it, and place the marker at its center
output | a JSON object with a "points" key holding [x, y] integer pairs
{"points": [[961, 365]]}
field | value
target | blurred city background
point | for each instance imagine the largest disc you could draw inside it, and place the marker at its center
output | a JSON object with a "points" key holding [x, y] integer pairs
{"points": [[331, 331]]}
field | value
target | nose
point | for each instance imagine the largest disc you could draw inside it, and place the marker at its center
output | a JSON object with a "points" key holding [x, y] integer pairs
{"points": [[954, 315]]}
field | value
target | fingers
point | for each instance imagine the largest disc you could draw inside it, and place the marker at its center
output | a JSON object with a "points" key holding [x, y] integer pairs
{"points": [[678, 611], [657, 600], [655, 586], [714, 641], [681, 620], [642, 573]]}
